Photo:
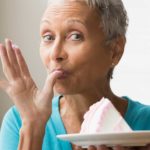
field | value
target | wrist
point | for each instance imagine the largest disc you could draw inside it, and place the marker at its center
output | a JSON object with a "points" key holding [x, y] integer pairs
{"points": [[33, 116], [31, 136], [33, 128]]}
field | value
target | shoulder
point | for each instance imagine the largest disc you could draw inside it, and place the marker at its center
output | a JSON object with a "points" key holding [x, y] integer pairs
{"points": [[137, 106], [12, 116], [138, 114], [12, 123], [10, 127]]}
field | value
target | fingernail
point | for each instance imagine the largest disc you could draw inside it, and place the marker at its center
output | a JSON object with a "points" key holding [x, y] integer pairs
{"points": [[6, 40], [15, 46]]}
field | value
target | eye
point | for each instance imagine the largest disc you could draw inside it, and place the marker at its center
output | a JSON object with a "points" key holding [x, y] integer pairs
{"points": [[75, 37], [47, 38]]}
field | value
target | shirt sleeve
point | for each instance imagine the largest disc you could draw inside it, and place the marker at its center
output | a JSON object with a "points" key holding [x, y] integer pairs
{"points": [[138, 115], [9, 132], [143, 118]]}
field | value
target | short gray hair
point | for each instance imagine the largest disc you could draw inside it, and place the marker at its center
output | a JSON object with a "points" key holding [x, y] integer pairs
{"points": [[114, 20]]}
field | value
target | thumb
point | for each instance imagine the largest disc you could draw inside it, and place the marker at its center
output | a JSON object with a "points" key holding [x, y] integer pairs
{"points": [[92, 147], [49, 84]]}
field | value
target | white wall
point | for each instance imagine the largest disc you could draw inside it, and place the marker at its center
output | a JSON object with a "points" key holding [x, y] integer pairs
{"points": [[132, 76], [19, 20]]}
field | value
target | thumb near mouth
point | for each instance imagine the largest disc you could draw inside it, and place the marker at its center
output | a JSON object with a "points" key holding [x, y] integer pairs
{"points": [[50, 81]]}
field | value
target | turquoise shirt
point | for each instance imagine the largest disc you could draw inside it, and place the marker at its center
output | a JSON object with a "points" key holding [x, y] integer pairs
{"points": [[137, 116]]}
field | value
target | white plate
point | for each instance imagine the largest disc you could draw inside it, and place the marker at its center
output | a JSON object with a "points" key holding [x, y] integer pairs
{"points": [[135, 138]]}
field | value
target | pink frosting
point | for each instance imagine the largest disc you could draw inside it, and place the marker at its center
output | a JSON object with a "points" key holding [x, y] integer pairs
{"points": [[98, 118]]}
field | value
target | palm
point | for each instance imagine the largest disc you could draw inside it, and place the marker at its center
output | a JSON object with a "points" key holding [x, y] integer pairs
{"points": [[21, 90]]}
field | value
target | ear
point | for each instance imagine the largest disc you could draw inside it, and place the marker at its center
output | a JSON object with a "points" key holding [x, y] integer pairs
{"points": [[117, 49]]}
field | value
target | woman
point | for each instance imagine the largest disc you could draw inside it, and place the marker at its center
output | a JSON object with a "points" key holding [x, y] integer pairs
{"points": [[81, 43]]}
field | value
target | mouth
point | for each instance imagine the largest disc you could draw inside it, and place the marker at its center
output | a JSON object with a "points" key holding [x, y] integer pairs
{"points": [[64, 73]]}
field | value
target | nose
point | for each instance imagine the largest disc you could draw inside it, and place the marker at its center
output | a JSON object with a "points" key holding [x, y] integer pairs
{"points": [[57, 52]]}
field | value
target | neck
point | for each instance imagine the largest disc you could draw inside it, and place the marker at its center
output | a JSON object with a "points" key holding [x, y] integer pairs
{"points": [[78, 104], [73, 107]]}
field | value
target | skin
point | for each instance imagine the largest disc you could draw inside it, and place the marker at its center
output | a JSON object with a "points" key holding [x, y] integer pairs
{"points": [[77, 61]]}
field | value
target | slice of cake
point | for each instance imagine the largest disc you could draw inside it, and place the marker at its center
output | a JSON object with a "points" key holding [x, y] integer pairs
{"points": [[103, 117]]}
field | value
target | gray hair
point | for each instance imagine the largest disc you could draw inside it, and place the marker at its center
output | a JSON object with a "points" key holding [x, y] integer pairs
{"points": [[114, 20]]}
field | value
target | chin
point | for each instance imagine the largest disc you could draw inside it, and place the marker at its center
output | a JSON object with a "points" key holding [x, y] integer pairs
{"points": [[61, 91], [67, 88], [64, 91]]}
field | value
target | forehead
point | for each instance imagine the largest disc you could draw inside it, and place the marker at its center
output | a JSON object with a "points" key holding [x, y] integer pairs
{"points": [[62, 1], [64, 9]]}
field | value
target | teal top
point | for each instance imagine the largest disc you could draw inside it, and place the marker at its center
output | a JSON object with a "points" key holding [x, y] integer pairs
{"points": [[137, 116]]}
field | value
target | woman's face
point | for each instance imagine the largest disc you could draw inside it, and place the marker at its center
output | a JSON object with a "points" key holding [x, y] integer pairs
{"points": [[73, 42]]}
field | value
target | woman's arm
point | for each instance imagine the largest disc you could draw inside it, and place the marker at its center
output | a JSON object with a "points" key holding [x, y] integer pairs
{"points": [[34, 106], [31, 136]]}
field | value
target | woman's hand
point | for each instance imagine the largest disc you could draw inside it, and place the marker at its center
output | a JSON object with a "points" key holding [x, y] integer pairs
{"points": [[31, 103], [103, 147], [34, 106]]}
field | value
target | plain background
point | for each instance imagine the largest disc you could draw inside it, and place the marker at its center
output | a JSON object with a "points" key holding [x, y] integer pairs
{"points": [[20, 19]]}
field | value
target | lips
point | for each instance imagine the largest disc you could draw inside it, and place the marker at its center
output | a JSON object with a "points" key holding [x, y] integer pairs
{"points": [[64, 73]]}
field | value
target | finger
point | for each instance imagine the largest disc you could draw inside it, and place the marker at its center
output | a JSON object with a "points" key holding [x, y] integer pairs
{"points": [[10, 52], [148, 147], [92, 147], [78, 148], [4, 56], [12, 56], [47, 93], [21, 61], [143, 147], [49, 83], [118, 147], [7, 67], [103, 147]]}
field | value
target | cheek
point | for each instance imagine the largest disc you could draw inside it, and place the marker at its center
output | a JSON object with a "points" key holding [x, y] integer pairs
{"points": [[93, 63]]}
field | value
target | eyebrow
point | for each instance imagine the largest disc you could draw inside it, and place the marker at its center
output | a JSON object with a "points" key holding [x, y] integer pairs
{"points": [[68, 21], [72, 21], [45, 21]]}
